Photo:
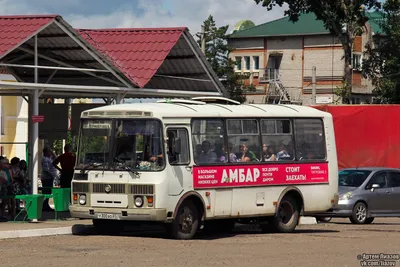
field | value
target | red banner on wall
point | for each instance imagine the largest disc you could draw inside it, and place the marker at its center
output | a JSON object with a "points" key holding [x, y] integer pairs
{"points": [[256, 175]]}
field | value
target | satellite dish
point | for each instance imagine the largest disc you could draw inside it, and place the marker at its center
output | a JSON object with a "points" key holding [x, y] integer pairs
{"points": [[243, 25]]}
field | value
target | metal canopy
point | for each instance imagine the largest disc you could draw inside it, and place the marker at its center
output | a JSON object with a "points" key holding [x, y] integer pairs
{"points": [[53, 60], [82, 91]]}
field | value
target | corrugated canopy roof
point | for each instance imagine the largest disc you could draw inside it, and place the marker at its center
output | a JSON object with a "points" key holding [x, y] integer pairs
{"points": [[154, 58], [139, 53]]}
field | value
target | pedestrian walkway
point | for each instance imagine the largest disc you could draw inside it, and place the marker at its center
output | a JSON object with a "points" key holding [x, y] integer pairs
{"points": [[46, 226]]}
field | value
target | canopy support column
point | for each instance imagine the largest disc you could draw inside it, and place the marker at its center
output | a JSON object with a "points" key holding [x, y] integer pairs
{"points": [[35, 126]]}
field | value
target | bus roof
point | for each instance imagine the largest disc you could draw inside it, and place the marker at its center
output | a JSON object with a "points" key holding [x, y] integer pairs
{"points": [[186, 110]]}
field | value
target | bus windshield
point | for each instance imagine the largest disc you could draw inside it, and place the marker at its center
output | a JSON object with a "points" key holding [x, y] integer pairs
{"points": [[122, 144], [95, 137], [138, 145]]}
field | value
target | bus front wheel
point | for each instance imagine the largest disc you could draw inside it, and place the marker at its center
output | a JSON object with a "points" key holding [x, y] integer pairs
{"points": [[287, 217], [186, 222]]}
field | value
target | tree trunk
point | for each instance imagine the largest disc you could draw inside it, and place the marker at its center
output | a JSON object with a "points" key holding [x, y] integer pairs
{"points": [[347, 43], [348, 73]]}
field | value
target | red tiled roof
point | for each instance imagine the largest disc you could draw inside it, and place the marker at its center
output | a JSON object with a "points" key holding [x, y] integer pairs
{"points": [[15, 30], [138, 53]]}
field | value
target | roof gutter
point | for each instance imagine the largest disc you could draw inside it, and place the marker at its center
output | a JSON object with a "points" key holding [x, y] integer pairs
{"points": [[280, 35]]}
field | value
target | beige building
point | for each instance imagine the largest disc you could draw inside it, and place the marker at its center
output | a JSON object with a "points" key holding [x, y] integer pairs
{"points": [[14, 123], [279, 57]]}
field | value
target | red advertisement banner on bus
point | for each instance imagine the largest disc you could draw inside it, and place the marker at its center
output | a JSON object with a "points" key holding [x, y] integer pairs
{"points": [[256, 175]]}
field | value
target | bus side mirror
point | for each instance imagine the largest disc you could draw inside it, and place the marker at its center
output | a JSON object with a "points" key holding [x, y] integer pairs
{"points": [[176, 145]]}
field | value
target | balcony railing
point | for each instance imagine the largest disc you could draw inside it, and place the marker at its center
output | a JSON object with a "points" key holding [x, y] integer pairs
{"points": [[269, 75]]}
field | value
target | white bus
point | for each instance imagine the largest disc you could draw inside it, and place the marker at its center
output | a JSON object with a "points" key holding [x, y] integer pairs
{"points": [[204, 163]]}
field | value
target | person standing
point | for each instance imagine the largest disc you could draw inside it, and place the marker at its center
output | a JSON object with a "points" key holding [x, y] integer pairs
{"points": [[49, 174], [3, 191], [67, 162]]}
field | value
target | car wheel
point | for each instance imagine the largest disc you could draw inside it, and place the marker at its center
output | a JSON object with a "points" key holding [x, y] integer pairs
{"points": [[287, 217], [186, 222], [359, 215], [324, 219]]}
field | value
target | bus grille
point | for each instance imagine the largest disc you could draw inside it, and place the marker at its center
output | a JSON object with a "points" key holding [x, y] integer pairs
{"points": [[141, 189], [114, 188], [80, 187]]}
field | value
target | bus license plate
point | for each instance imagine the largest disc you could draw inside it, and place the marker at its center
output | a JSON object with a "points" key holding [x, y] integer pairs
{"points": [[107, 216]]}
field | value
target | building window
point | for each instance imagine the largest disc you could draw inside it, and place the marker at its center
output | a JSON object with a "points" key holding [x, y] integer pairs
{"points": [[238, 63], [256, 60], [247, 62], [357, 61]]}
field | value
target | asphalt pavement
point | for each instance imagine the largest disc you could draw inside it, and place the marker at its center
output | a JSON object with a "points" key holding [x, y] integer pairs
{"points": [[338, 243]]}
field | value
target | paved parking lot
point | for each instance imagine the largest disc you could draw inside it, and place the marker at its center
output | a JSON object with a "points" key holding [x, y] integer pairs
{"points": [[333, 244]]}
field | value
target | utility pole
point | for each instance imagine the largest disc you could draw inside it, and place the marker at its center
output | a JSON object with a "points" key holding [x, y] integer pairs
{"points": [[203, 40], [314, 85]]}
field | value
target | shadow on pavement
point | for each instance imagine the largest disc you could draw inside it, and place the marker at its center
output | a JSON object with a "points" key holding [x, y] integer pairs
{"points": [[46, 216], [158, 231], [349, 223]]}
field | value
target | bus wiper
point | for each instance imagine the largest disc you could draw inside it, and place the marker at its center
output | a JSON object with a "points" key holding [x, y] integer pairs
{"points": [[91, 166], [135, 172]]}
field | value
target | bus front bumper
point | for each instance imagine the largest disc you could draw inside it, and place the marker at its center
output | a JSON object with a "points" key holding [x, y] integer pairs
{"points": [[118, 214]]}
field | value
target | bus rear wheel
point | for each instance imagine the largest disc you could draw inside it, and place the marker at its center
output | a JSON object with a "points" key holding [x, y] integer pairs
{"points": [[186, 222], [287, 217]]}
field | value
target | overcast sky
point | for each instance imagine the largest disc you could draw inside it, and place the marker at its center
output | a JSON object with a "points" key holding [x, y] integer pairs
{"points": [[143, 13]]}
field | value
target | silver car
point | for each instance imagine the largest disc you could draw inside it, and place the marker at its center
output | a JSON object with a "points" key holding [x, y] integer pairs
{"points": [[366, 193]]}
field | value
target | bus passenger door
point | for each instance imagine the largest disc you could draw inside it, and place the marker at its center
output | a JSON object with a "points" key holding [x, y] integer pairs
{"points": [[178, 154]]}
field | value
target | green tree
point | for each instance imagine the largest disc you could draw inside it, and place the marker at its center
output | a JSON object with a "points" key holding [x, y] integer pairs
{"points": [[345, 19], [382, 57], [217, 54]]}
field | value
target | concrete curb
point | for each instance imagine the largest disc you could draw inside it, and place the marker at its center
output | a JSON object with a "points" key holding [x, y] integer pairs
{"points": [[307, 220], [36, 232], [69, 230]]}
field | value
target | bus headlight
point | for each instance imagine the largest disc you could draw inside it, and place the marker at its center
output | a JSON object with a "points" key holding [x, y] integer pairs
{"points": [[82, 199], [138, 202]]}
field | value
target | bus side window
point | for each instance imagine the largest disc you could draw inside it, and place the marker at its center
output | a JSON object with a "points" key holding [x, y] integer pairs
{"points": [[310, 139], [208, 141], [277, 139], [244, 140], [178, 146]]}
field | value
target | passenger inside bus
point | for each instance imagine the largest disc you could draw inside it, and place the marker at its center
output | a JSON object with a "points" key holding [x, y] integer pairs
{"points": [[246, 154], [124, 148], [207, 155], [283, 153], [268, 153], [221, 152], [158, 157], [232, 156], [198, 151]]}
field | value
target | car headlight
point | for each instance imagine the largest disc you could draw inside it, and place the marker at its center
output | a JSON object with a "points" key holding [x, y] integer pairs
{"points": [[138, 202], [346, 196], [82, 199]]}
